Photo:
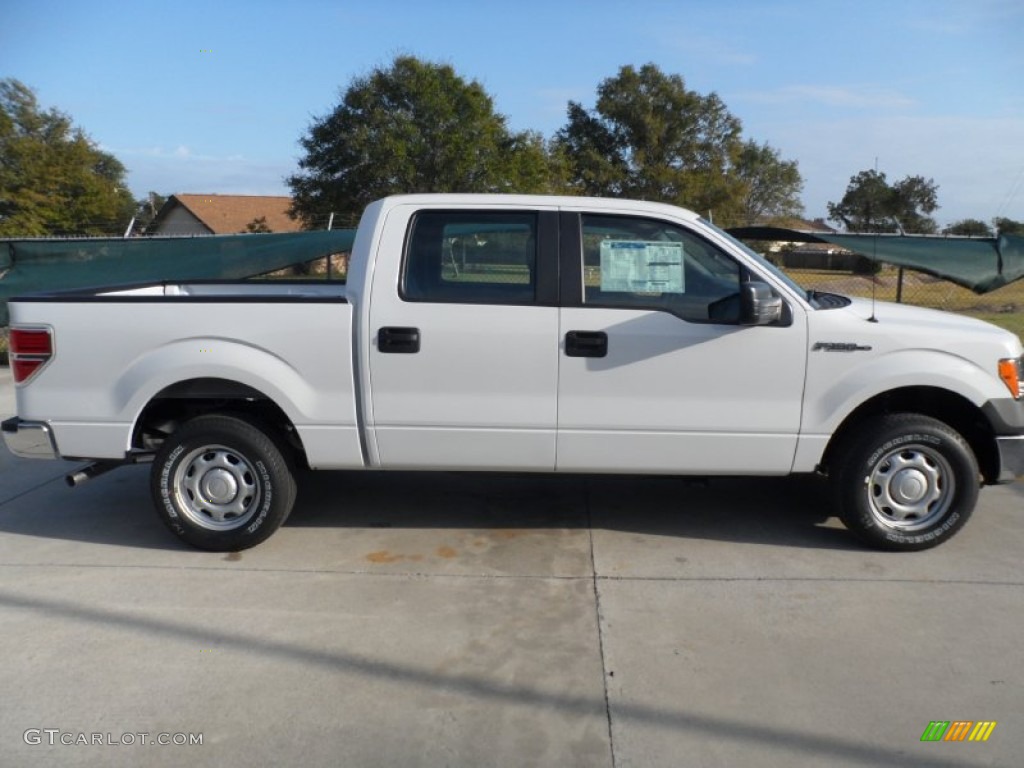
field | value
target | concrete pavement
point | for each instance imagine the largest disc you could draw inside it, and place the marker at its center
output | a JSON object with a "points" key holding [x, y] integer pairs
{"points": [[496, 620]]}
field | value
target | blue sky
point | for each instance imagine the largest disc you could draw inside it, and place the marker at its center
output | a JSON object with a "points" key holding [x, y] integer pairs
{"points": [[212, 97]]}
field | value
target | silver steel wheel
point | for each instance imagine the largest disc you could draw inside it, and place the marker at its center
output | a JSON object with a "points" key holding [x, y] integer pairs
{"points": [[910, 488], [217, 488]]}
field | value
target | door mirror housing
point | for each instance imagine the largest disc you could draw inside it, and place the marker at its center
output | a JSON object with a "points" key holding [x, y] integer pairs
{"points": [[759, 305]]}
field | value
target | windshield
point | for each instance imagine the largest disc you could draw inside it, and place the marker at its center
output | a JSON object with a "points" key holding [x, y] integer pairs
{"points": [[763, 262]]}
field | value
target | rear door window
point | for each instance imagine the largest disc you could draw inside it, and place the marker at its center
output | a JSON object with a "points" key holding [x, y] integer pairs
{"points": [[471, 257]]}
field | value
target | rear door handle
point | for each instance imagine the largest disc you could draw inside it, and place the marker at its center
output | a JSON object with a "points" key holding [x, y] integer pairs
{"points": [[586, 344], [402, 341]]}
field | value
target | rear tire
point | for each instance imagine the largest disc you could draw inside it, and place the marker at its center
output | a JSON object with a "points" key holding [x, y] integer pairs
{"points": [[905, 482], [221, 484]]}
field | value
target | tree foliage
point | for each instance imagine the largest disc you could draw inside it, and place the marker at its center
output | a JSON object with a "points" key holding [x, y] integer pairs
{"points": [[771, 186], [872, 204], [53, 178], [969, 227], [649, 137], [413, 127], [1005, 226]]}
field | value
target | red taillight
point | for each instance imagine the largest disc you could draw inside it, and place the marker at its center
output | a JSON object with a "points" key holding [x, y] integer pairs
{"points": [[30, 350]]}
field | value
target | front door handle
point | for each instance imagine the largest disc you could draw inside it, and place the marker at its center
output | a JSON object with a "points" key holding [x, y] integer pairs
{"points": [[586, 344], [402, 341]]}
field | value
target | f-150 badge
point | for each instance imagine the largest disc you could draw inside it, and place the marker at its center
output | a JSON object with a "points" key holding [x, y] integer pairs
{"points": [[832, 346]]}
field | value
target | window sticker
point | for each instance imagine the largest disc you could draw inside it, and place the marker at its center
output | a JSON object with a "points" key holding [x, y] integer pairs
{"points": [[642, 266]]}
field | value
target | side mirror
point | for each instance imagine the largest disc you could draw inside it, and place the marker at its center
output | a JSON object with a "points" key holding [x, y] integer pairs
{"points": [[758, 305]]}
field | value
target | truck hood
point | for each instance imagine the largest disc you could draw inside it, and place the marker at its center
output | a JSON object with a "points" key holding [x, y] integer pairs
{"points": [[932, 328], [935, 320]]}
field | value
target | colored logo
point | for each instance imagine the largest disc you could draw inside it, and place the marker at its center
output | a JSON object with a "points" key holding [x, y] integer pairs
{"points": [[958, 730]]}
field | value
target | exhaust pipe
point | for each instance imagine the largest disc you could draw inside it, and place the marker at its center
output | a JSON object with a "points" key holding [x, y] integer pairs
{"points": [[90, 471]]}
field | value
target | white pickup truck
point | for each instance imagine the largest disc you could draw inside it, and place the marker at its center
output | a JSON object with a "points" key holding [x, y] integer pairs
{"points": [[522, 333]]}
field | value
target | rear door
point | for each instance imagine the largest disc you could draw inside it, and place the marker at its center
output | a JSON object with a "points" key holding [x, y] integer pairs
{"points": [[656, 373], [464, 331]]}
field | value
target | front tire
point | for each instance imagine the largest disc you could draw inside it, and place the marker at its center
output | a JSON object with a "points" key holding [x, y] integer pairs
{"points": [[221, 484], [905, 482]]}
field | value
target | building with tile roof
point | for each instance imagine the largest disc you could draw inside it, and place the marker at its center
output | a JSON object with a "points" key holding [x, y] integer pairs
{"points": [[187, 214]]}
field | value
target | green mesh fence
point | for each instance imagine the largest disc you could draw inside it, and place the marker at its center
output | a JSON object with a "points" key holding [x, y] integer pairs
{"points": [[33, 266]]}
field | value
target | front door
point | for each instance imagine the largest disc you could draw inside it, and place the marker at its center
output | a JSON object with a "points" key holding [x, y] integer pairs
{"points": [[655, 372]]}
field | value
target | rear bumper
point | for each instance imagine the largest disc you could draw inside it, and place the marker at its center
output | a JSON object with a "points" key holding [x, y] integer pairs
{"points": [[29, 439]]}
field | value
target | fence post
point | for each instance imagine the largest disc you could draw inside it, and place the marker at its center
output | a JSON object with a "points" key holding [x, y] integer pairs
{"points": [[330, 223], [899, 286]]}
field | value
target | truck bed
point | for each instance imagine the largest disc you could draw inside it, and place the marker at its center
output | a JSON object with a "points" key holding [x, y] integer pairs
{"points": [[116, 350]]}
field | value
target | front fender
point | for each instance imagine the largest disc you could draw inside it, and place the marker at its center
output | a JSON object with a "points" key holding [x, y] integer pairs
{"points": [[841, 388]]}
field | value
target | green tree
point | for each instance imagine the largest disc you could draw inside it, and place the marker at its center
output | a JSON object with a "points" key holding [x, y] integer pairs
{"points": [[413, 127], [771, 185], [970, 227], [1005, 226], [649, 137], [871, 204], [53, 178]]}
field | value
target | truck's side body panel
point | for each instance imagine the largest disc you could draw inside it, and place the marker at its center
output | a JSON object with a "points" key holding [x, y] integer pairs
{"points": [[113, 357]]}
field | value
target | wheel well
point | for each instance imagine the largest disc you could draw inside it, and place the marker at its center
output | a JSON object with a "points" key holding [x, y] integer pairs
{"points": [[948, 407], [174, 405]]}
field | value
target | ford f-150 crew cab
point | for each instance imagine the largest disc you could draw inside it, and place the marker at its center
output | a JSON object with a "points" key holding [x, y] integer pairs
{"points": [[522, 333]]}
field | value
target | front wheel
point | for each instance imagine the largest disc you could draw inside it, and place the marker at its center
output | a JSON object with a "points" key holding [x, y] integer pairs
{"points": [[221, 484], [905, 482]]}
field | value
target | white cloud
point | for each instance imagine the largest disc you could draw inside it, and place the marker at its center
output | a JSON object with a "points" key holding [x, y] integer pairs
{"points": [[850, 97], [706, 49], [181, 170], [974, 18]]}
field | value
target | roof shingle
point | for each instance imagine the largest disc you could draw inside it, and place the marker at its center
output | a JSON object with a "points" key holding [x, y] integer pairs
{"points": [[229, 214]]}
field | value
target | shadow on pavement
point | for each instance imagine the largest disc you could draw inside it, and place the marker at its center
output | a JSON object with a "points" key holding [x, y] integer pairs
{"points": [[116, 509], [785, 511]]}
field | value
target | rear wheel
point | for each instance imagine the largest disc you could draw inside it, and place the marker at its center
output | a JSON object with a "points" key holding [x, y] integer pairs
{"points": [[905, 482], [222, 484]]}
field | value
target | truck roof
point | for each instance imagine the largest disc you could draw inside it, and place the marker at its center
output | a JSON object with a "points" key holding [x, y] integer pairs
{"points": [[460, 200]]}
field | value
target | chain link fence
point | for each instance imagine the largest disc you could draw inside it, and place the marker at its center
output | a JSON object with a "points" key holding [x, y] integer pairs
{"points": [[1004, 307]]}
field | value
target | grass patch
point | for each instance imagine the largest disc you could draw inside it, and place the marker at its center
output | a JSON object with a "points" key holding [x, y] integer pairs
{"points": [[1013, 323], [3, 346]]}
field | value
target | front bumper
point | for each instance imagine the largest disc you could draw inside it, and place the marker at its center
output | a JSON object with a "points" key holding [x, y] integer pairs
{"points": [[1011, 458], [1006, 417], [29, 439]]}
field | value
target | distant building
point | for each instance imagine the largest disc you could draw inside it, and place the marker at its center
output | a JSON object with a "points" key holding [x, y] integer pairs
{"points": [[222, 215]]}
